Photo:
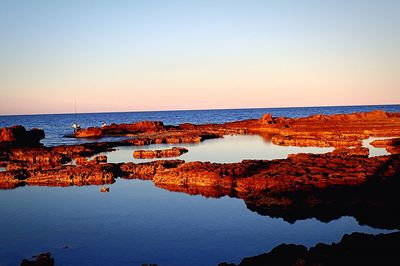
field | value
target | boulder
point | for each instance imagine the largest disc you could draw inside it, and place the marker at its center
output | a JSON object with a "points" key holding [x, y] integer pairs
{"points": [[18, 136]]}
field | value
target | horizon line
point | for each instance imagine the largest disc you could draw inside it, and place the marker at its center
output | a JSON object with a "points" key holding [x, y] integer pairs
{"points": [[210, 109]]}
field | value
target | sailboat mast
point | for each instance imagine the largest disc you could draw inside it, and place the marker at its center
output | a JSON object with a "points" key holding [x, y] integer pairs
{"points": [[75, 110]]}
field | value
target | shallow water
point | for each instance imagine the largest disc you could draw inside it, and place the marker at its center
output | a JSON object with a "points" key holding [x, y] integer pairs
{"points": [[137, 223], [224, 150], [373, 151]]}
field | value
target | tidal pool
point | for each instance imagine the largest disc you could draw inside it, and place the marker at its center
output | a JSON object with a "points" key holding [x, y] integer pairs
{"points": [[224, 150], [137, 223]]}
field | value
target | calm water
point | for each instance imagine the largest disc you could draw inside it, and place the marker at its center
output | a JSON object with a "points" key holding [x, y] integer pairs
{"points": [[225, 150], [56, 126], [139, 223]]}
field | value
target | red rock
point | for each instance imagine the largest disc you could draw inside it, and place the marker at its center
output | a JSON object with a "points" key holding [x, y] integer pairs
{"points": [[67, 175], [121, 129], [173, 152], [147, 170], [91, 132], [19, 136]]}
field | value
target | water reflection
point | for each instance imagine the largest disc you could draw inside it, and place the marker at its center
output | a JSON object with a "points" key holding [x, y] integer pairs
{"points": [[228, 149], [374, 151], [145, 224]]}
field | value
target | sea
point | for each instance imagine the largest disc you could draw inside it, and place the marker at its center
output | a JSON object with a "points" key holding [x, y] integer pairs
{"points": [[58, 125], [138, 223]]}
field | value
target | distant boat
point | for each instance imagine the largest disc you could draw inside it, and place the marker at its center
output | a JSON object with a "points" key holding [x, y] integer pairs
{"points": [[75, 125]]}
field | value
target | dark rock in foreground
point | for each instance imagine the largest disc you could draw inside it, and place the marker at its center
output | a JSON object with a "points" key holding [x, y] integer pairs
{"points": [[43, 259], [354, 249], [18, 136]]}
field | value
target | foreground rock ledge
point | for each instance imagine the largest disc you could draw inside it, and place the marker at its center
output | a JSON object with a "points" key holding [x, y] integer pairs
{"points": [[354, 249]]}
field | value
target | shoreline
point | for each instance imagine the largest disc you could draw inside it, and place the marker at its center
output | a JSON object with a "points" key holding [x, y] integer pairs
{"points": [[325, 186]]}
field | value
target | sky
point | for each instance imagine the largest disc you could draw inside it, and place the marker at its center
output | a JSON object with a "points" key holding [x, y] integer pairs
{"points": [[176, 55]]}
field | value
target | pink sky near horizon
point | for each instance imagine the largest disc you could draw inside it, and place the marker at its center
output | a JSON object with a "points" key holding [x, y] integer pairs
{"points": [[137, 56]]}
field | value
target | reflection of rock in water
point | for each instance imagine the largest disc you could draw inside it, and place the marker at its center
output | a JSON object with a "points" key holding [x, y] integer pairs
{"points": [[373, 202], [354, 249]]}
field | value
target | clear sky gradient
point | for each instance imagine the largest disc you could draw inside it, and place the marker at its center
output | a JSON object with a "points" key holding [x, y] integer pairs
{"points": [[168, 55]]}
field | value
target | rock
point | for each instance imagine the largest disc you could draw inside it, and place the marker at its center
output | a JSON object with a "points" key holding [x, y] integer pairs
{"points": [[266, 119], [173, 152], [43, 259], [91, 132], [99, 159], [339, 130], [147, 171], [18, 136], [354, 249], [120, 129], [38, 156], [345, 152], [104, 189], [67, 175]]}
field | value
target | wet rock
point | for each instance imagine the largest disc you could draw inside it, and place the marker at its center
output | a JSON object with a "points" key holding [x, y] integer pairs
{"points": [[173, 152]]}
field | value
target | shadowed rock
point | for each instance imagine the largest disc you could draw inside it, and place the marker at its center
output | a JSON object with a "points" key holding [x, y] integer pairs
{"points": [[18, 136], [43, 259], [354, 249]]}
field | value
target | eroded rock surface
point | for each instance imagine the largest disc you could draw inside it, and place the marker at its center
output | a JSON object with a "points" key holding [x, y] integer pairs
{"points": [[173, 152], [339, 130]]}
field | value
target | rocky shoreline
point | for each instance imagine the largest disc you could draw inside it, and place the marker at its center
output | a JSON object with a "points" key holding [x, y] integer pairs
{"points": [[324, 186]]}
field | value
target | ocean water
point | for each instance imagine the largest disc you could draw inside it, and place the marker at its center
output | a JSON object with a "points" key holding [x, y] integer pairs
{"points": [[58, 125], [138, 223]]}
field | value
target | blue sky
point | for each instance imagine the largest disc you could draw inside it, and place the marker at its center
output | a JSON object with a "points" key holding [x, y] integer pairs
{"points": [[159, 55]]}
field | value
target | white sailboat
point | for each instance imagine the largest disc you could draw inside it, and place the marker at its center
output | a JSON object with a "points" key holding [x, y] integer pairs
{"points": [[75, 125]]}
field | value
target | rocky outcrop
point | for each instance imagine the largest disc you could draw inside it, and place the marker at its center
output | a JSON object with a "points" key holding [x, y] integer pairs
{"points": [[120, 129], [18, 136], [339, 130], [299, 172], [146, 171], [39, 156], [67, 175], [354, 249], [173, 152]]}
